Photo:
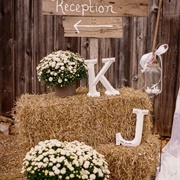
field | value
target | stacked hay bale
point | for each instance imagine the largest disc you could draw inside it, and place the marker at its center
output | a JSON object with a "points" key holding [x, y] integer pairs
{"points": [[95, 121]]}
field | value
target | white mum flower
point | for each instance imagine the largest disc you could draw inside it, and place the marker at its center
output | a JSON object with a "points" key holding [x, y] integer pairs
{"points": [[50, 79], [107, 171], [95, 170], [86, 164], [51, 173], [50, 164], [60, 159], [51, 151], [49, 160], [84, 176], [29, 168], [92, 176], [69, 166], [46, 172], [26, 163], [45, 159], [63, 152], [32, 172], [75, 162], [40, 164], [94, 161], [57, 59], [54, 168], [100, 173], [62, 68], [58, 165], [79, 153], [23, 170], [70, 68], [53, 64], [45, 164], [60, 177], [53, 160], [61, 64], [72, 63], [63, 171], [28, 157], [81, 160], [71, 175], [57, 171], [46, 66], [50, 55], [63, 56], [57, 66], [67, 153], [40, 157]]}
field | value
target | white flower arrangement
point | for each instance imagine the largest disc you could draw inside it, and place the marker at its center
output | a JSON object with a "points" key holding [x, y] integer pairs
{"points": [[54, 160], [61, 68]]}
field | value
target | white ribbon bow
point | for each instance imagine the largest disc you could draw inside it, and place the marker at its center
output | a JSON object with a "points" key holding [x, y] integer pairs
{"points": [[147, 58]]}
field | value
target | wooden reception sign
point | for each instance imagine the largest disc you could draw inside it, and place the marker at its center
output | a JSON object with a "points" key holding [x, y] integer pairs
{"points": [[96, 7], [109, 27]]}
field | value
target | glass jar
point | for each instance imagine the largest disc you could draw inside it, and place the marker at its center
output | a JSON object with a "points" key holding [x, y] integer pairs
{"points": [[152, 79]]}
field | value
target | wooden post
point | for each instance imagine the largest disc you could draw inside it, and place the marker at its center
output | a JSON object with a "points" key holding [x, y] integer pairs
{"points": [[93, 48], [94, 51]]}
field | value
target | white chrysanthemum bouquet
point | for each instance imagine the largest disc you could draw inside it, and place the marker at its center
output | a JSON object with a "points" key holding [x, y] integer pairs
{"points": [[54, 160], [61, 68]]}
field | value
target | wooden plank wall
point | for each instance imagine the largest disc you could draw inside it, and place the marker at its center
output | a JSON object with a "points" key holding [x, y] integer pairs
{"points": [[26, 36], [169, 33]]}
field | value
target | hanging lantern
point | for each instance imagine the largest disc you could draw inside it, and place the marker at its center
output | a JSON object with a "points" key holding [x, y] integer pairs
{"points": [[153, 77], [151, 64]]}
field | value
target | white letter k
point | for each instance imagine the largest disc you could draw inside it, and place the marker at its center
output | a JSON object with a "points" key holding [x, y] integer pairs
{"points": [[100, 77]]}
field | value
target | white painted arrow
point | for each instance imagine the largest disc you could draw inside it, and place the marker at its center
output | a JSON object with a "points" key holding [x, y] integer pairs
{"points": [[92, 26]]}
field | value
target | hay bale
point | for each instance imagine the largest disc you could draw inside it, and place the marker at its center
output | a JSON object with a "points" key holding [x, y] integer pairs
{"points": [[93, 120], [10, 158], [132, 163]]}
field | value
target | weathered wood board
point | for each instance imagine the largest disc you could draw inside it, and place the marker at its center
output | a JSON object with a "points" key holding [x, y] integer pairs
{"points": [[96, 7], [99, 27]]}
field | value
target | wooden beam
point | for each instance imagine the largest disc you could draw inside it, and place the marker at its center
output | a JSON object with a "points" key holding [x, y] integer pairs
{"points": [[96, 7], [99, 27]]}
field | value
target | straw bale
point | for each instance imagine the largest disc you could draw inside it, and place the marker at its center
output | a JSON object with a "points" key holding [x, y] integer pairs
{"points": [[93, 120], [10, 158], [132, 163]]}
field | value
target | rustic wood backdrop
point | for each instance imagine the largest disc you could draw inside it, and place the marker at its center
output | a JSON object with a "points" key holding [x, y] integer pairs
{"points": [[26, 35]]}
